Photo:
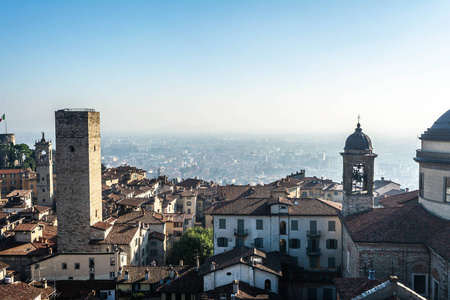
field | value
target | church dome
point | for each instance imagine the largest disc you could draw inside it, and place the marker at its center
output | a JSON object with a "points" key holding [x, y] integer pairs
{"points": [[358, 141], [440, 129]]}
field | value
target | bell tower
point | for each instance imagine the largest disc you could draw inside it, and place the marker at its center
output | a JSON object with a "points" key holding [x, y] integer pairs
{"points": [[44, 172], [358, 172]]}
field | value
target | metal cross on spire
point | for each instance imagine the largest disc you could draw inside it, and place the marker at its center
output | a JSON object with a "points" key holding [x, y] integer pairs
{"points": [[359, 117]]}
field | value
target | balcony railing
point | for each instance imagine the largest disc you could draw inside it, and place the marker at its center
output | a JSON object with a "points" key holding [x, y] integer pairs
{"points": [[313, 251], [240, 232], [313, 233]]}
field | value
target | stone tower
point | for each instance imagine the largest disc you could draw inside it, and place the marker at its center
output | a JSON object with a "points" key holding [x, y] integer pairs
{"points": [[358, 173], [44, 170], [78, 167], [434, 167]]}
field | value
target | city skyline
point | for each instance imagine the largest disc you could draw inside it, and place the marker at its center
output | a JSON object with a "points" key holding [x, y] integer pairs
{"points": [[236, 67]]}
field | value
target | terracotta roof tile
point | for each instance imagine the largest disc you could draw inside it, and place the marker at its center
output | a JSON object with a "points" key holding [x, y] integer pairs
{"points": [[121, 234], [187, 277], [301, 206], [245, 292], [19, 193], [147, 217], [132, 201], [19, 291], [407, 224], [102, 225], [26, 227], [400, 199]]}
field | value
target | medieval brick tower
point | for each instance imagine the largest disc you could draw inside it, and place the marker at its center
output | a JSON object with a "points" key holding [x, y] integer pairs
{"points": [[78, 167], [44, 170], [358, 173]]}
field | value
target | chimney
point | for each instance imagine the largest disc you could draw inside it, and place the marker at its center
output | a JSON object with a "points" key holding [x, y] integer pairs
{"points": [[126, 275], [44, 283], [236, 287], [181, 262], [213, 266], [146, 274], [171, 273]]}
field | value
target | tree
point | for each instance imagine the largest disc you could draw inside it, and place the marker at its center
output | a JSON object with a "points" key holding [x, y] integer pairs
{"points": [[20, 156], [197, 240]]}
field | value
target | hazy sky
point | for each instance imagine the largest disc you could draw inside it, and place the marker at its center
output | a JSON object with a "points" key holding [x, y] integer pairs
{"points": [[227, 66]]}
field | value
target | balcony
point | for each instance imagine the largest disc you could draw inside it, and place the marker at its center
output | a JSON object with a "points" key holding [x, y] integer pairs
{"points": [[313, 233], [313, 251], [240, 232]]}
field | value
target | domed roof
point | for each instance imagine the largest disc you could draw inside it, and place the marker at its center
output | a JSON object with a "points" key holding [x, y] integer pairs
{"points": [[358, 141], [440, 129]]}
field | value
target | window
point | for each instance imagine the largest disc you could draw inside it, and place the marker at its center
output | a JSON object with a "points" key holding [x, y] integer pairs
{"points": [[64, 266], [259, 242], [153, 243], [71, 148], [327, 294], [188, 203], [435, 290], [239, 242], [294, 224], [91, 262], [312, 262], [420, 283], [189, 211], [76, 266], [12, 175], [154, 252], [112, 261], [331, 226], [267, 285], [294, 243], [332, 244], [331, 262], [222, 223], [282, 227], [259, 225], [312, 294], [421, 183], [222, 242], [447, 190], [13, 182], [283, 246]]}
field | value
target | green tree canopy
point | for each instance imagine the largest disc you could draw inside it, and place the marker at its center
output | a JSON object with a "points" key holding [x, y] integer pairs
{"points": [[18, 156], [194, 240]]}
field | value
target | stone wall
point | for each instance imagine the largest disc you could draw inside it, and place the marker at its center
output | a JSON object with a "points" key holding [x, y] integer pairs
{"points": [[439, 272], [78, 165]]}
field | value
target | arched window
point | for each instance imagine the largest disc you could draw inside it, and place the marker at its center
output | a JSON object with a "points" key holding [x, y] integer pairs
{"points": [[267, 285], [282, 227]]}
